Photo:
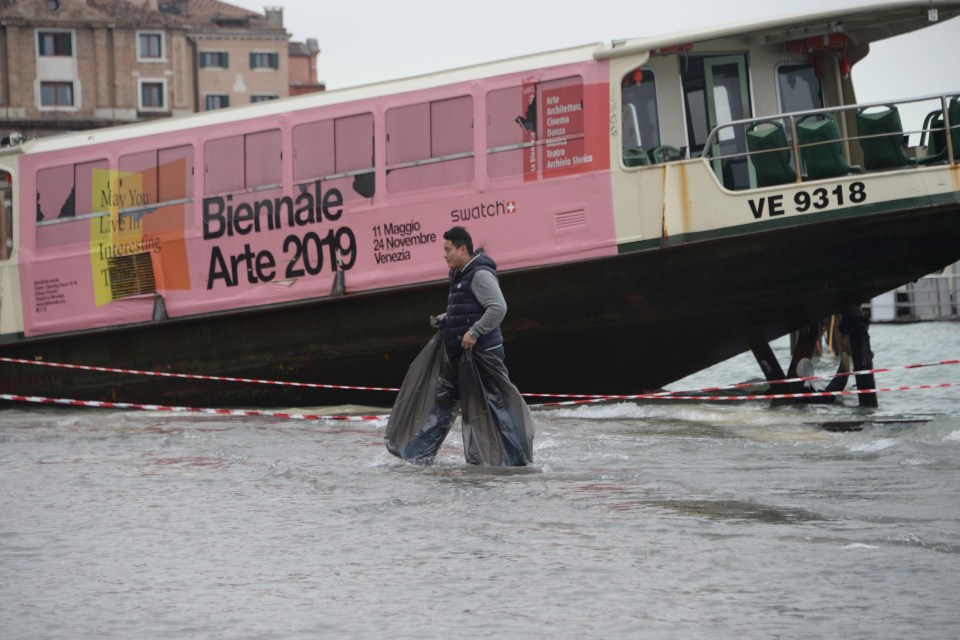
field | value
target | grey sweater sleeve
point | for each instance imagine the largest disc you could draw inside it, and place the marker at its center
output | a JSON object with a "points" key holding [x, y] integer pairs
{"points": [[487, 291]]}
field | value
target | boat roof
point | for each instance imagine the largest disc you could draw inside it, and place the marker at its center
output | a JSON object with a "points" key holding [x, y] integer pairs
{"points": [[864, 23]]}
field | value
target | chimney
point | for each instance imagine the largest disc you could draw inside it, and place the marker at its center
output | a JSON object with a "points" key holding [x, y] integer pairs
{"points": [[274, 15]]}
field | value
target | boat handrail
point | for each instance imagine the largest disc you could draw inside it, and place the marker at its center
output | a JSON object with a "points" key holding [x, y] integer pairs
{"points": [[789, 121], [943, 97]]}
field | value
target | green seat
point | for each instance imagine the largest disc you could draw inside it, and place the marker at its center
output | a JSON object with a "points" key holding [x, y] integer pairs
{"points": [[665, 153], [770, 154], [881, 138], [937, 147], [821, 149], [635, 157]]}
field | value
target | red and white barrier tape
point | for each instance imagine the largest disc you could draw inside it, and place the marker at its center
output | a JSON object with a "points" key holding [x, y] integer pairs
{"points": [[193, 376], [769, 396], [743, 385], [220, 412], [595, 397], [370, 418]]}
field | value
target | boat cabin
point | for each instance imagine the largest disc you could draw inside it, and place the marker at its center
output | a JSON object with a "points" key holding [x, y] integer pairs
{"points": [[744, 98]]}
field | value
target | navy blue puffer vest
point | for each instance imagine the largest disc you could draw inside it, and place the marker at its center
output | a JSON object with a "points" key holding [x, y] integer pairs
{"points": [[463, 308]]}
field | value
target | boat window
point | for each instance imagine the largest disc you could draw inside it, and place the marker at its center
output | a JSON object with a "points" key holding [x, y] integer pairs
{"points": [[249, 161], [511, 128], [6, 215], [313, 151], [223, 165], [175, 173], [138, 178], [716, 91], [641, 122], [147, 178], [354, 143], [408, 134], [430, 144], [69, 191], [263, 159], [333, 147], [338, 150], [724, 112], [520, 116], [799, 88]]}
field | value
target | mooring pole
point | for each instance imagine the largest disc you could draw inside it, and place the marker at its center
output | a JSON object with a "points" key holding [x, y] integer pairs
{"points": [[854, 325]]}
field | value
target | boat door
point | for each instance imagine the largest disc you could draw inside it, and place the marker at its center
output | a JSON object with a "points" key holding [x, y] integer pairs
{"points": [[716, 91]]}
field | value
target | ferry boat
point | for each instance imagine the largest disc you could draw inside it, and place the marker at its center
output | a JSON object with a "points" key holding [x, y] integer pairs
{"points": [[655, 206]]}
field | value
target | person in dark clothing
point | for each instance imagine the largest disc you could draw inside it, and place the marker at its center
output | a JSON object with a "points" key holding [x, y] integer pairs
{"points": [[475, 309], [476, 306]]}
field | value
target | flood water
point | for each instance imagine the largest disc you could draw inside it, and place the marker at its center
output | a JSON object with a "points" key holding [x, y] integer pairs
{"points": [[650, 520]]}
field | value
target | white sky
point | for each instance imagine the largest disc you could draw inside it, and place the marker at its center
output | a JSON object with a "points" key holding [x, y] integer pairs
{"points": [[364, 41]]}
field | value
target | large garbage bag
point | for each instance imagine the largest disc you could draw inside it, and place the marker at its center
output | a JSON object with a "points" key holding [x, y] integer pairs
{"points": [[498, 429], [497, 426], [418, 424]]}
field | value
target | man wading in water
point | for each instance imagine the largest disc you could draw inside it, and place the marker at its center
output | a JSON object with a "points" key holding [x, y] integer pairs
{"points": [[499, 433]]}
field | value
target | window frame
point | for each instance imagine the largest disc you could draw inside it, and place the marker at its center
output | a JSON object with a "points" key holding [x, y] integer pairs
{"points": [[272, 58], [432, 118], [68, 34], [656, 127], [72, 198], [422, 128], [140, 103], [241, 174], [155, 179], [208, 96], [779, 75], [339, 130], [519, 136], [56, 105], [222, 55], [162, 40], [263, 97]]}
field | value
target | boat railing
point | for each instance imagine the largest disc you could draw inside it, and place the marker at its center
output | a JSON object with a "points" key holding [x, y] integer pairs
{"points": [[835, 141]]}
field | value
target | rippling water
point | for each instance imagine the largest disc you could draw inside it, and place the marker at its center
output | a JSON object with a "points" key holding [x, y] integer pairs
{"points": [[655, 520]]}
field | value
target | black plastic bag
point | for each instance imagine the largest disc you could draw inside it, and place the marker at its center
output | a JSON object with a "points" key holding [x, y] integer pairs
{"points": [[497, 426], [418, 424]]}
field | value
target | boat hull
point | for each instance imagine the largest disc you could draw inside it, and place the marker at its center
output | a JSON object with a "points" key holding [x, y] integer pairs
{"points": [[618, 325]]}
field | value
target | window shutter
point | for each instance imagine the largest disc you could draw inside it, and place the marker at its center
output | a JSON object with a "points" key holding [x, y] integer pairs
{"points": [[226, 60], [275, 60], [253, 61]]}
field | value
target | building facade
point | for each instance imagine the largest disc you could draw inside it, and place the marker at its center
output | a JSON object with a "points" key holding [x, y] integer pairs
{"points": [[241, 56], [70, 64], [81, 64], [303, 67]]}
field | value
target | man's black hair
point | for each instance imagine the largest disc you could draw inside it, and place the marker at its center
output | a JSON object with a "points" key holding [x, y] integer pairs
{"points": [[460, 237]]}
